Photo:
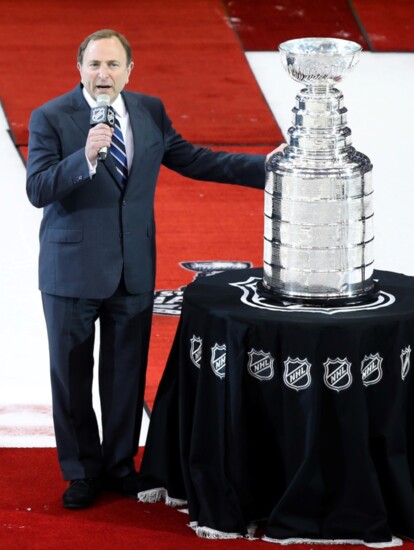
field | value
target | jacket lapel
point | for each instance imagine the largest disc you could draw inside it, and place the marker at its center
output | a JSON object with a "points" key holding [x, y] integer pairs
{"points": [[139, 128]]}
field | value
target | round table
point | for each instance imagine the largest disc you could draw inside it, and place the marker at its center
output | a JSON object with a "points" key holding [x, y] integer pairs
{"points": [[301, 418]]}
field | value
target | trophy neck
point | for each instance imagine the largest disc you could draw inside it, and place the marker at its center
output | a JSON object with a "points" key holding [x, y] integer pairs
{"points": [[321, 89], [320, 124]]}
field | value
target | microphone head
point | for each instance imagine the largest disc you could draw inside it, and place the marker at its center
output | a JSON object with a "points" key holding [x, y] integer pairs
{"points": [[103, 112], [103, 100]]}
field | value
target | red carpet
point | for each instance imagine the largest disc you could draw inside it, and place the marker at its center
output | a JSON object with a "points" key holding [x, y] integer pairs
{"points": [[263, 24], [32, 517], [390, 25], [377, 25], [185, 53]]}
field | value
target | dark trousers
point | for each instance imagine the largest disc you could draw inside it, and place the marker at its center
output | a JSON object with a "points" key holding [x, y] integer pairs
{"points": [[125, 326]]}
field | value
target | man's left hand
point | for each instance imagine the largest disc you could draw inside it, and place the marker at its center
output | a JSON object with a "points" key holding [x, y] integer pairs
{"points": [[278, 150]]}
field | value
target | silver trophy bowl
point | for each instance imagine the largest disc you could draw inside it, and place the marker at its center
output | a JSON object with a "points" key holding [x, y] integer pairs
{"points": [[319, 60], [318, 235]]}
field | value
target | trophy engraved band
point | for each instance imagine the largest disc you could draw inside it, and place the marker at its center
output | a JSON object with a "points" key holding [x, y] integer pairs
{"points": [[318, 231]]}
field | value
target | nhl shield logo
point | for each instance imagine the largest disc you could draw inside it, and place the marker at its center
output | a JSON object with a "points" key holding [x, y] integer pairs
{"points": [[260, 364], [297, 373], [196, 349], [371, 369], [338, 375], [218, 360], [111, 117], [405, 361], [98, 115]]}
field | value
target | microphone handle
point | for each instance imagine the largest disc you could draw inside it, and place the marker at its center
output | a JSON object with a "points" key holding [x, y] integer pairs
{"points": [[103, 151]]}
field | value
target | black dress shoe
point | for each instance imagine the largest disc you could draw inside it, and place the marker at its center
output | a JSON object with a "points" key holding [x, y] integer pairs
{"points": [[127, 485], [81, 493]]}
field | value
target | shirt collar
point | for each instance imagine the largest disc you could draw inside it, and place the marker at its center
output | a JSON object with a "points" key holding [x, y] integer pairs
{"points": [[118, 105]]}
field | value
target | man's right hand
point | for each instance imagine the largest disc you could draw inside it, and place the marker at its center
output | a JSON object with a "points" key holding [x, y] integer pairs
{"points": [[99, 136]]}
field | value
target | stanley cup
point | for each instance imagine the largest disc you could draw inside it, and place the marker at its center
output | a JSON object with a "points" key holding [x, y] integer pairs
{"points": [[318, 236]]}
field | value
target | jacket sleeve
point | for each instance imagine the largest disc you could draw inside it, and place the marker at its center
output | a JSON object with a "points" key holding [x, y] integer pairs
{"points": [[204, 164], [50, 177]]}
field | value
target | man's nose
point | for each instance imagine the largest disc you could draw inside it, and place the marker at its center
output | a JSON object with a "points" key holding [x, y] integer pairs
{"points": [[103, 72]]}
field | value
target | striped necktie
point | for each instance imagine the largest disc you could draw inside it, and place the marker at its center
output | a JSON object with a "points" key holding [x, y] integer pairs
{"points": [[118, 152]]}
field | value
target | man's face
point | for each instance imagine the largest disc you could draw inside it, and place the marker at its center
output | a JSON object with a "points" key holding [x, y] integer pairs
{"points": [[104, 68]]}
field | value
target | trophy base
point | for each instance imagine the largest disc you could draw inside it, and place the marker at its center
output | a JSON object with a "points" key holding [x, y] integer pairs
{"points": [[323, 302]]}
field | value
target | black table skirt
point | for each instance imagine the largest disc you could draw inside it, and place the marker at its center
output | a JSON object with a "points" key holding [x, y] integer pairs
{"points": [[300, 417]]}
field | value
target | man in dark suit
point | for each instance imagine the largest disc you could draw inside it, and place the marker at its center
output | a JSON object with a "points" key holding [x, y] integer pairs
{"points": [[97, 256]]}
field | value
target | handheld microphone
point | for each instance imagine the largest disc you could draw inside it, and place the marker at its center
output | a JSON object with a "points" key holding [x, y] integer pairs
{"points": [[104, 113]]}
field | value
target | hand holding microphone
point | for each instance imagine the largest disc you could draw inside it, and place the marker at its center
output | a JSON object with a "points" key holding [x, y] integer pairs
{"points": [[102, 121]]}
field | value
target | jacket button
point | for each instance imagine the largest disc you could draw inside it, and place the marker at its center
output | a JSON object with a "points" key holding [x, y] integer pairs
{"points": [[123, 203]]}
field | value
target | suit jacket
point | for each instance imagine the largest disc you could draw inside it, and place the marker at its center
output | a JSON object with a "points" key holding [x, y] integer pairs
{"points": [[92, 228]]}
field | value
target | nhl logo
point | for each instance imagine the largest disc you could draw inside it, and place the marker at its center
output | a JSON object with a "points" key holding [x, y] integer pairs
{"points": [[218, 360], [371, 369], [297, 373], [405, 361], [98, 115], [111, 117], [196, 350], [260, 364], [251, 297], [338, 375]]}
